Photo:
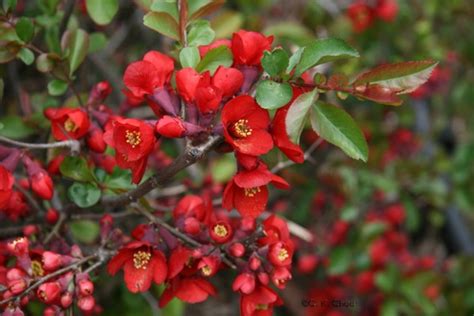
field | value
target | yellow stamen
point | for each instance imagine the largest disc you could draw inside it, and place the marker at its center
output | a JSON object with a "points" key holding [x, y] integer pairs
{"points": [[37, 268], [133, 138], [206, 270], [220, 230], [251, 192], [141, 259], [70, 126], [241, 128], [283, 254]]}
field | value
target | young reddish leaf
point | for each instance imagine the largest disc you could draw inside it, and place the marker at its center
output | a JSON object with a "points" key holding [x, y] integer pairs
{"points": [[337, 127], [379, 94], [199, 8], [163, 23], [297, 114], [400, 78]]}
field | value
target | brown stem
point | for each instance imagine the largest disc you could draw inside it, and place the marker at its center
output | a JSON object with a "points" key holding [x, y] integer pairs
{"points": [[183, 16], [67, 14], [74, 145]]}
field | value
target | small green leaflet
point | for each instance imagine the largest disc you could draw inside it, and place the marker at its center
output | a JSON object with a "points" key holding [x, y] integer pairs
{"points": [[298, 113]]}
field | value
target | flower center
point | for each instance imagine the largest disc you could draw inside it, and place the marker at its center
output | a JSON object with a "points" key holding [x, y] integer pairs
{"points": [[251, 192], [206, 270], [220, 230], [133, 138], [37, 268], [141, 259], [261, 307], [70, 126], [241, 129], [283, 254]]}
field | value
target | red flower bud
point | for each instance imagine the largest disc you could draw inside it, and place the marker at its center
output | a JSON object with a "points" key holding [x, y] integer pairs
{"points": [[95, 141], [187, 80], [307, 263], [86, 287], [244, 283], [248, 47], [52, 216], [208, 98], [66, 300], [220, 232], [42, 185], [280, 276], [228, 80], [209, 265], [17, 286], [254, 263], [171, 127], [49, 292], [263, 277], [19, 246], [52, 261], [54, 164], [192, 226], [29, 230], [237, 250], [86, 303]]}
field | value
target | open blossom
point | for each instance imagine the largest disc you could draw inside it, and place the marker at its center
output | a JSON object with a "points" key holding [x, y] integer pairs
{"points": [[133, 140], [188, 289], [142, 77], [6, 184], [246, 126], [260, 302], [68, 123], [141, 265], [248, 192], [248, 47]]}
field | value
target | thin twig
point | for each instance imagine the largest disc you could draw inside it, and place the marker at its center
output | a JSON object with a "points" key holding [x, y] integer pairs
{"points": [[67, 14], [73, 144]]}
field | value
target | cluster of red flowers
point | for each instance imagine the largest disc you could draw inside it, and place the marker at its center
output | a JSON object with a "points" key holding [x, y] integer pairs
{"points": [[261, 254], [363, 14], [60, 290]]}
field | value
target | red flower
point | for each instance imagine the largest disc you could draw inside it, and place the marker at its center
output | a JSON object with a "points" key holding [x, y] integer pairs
{"points": [[280, 276], [275, 230], [191, 290], [133, 140], [208, 97], [246, 126], [180, 259], [361, 16], [40, 181], [247, 191], [280, 136], [220, 232], [260, 302], [6, 184], [281, 253], [228, 80], [248, 47], [386, 10], [141, 264], [67, 123], [244, 282], [143, 77], [49, 292], [187, 81], [190, 206]]}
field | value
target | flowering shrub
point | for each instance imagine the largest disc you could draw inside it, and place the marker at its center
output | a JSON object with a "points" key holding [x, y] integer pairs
{"points": [[93, 162]]}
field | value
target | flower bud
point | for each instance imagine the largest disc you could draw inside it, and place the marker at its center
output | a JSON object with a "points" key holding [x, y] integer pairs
{"points": [[192, 226], [52, 216], [86, 287], [29, 230], [263, 278], [86, 303], [54, 164], [237, 250], [254, 263], [95, 141], [171, 127], [244, 283], [52, 261], [209, 265], [18, 246], [66, 300], [49, 292], [17, 286], [280, 276]]}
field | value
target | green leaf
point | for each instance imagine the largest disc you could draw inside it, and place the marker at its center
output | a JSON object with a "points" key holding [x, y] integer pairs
{"points": [[97, 42], [200, 33], [323, 51], [389, 308], [44, 63], [57, 87], [298, 113], [8, 5], [14, 127], [340, 259], [84, 194], [387, 279], [219, 56], [25, 29], [223, 168], [120, 179], [76, 168], [294, 59], [85, 231], [163, 23], [75, 44], [273, 95], [226, 23], [373, 229], [337, 127], [400, 78], [166, 6], [102, 11], [189, 57], [275, 62], [26, 56]]}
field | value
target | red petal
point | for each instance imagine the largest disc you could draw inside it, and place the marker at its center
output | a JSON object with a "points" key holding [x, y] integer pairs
{"points": [[194, 290], [250, 206], [117, 262], [141, 77], [187, 80], [161, 269], [229, 80], [178, 259], [163, 64], [259, 143], [282, 141], [138, 280]]}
